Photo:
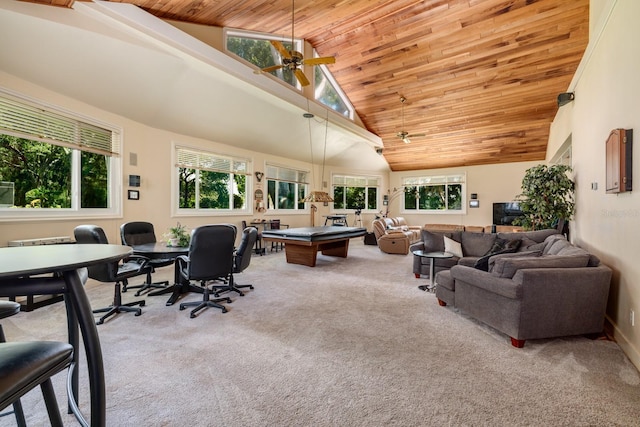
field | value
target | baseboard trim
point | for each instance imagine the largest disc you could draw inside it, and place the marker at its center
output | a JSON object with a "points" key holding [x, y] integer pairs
{"points": [[611, 329]]}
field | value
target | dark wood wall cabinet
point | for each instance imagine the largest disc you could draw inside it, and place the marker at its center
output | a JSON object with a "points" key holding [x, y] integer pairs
{"points": [[619, 156]]}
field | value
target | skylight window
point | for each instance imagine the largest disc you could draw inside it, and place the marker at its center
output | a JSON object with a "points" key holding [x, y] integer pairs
{"points": [[255, 49]]}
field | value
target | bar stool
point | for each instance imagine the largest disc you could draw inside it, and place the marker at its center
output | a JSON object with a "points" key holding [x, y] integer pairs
{"points": [[25, 365], [7, 309]]}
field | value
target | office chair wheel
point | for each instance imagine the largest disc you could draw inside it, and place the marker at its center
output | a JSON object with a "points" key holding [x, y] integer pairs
{"points": [[138, 313], [142, 303], [224, 310]]}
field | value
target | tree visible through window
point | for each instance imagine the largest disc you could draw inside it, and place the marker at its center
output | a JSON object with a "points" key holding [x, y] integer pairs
{"points": [[355, 192], [54, 162], [435, 193], [211, 181], [286, 188], [259, 52]]}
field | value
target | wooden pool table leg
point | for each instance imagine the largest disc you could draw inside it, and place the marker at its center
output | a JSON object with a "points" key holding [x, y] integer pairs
{"points": [[339, 249], [304, 255]]}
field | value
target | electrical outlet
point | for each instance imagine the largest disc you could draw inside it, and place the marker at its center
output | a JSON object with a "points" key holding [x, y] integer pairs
{"points": [[632, 317]]}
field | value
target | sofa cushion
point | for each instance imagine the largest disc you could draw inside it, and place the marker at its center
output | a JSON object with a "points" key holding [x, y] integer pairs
{"points": [[553, 239], [434, 242], [508, 266], [536, 235], [500, 246], [594, 261], [476, 244], [571, 250], [493, 258], [530, 245], [452, 247], [444, 279], [469, 261]]}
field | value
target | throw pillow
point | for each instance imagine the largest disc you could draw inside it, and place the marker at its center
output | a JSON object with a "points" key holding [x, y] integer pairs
{"points": [[453, 247], [501, 246]]}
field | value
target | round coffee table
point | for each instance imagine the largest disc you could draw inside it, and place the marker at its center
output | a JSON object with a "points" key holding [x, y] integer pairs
{"points": [[432, 257]]}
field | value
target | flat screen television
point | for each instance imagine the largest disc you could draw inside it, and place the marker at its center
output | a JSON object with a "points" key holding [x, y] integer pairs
{"points": [[505, 213]]}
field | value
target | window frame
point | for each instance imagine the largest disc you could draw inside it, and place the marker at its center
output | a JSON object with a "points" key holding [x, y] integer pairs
{"points": [[433, 180], [299, 45], [366, 178], [177, 211], [334, 84], [279, 176], [235, 32], [78, 144]]}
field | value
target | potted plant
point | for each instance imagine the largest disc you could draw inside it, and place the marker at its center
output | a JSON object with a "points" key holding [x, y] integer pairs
{"points": [[547, 197], [178, 236]]}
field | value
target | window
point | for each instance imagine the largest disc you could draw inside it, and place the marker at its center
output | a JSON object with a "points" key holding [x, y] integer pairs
{"points": [[329, 93], [256, 49], [355, 192], [286, 188], [434, 193], [210, 182], [55, 164]]}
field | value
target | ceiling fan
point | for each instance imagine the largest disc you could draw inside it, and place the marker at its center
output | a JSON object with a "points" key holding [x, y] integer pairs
{"points": [[404, 135], [292, 59]]}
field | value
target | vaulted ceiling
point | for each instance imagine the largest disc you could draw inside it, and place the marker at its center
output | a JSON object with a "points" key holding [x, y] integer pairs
{"points": [[480, 77]]}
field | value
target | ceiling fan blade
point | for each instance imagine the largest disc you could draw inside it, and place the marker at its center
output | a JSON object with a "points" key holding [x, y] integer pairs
{"points": [[268, 69], [301, 77], [412, 135], [317, 61], [281, 49]]}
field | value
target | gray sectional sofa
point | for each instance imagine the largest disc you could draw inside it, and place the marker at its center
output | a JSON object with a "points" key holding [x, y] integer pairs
{"points": [[474, 246], [543, 290]]}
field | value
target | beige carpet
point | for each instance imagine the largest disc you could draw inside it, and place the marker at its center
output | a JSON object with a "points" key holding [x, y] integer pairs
{"points": [[351, 342]]}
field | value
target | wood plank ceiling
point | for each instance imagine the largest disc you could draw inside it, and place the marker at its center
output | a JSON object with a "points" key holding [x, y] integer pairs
{"points": [[480, 77]]}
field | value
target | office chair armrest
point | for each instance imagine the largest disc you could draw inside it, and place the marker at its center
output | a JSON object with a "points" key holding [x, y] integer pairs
{"points": [[182, 260], [139, 259]]}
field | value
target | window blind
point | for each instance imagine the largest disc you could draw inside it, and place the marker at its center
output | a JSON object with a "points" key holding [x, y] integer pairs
{"points": [[355, 181], [286, 174], [36, 123], [192, 159]]}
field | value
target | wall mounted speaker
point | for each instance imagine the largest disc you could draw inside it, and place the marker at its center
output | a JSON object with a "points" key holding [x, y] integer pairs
{"points": [[565, 98]]}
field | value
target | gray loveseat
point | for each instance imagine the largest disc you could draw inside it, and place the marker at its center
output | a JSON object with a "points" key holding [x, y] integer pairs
{"points": [[552, 290]]}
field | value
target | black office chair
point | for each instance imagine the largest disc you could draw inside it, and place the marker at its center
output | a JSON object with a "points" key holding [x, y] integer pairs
{"points": [[138, 233], [25, 365], [9, 308], [258, 244], [113, 272], [210, 258], [241, 260]]}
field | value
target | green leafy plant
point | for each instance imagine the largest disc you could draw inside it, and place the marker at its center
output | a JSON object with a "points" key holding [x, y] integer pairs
{"points": [[547, 197], [179, 235]]}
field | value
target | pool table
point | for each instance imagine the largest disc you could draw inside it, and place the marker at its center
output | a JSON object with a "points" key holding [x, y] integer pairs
{"points": [[301, 245]]}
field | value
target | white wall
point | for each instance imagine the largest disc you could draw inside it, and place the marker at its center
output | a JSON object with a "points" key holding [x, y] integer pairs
{"points": [[607, 91], [153, 148], [492, 183]]}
